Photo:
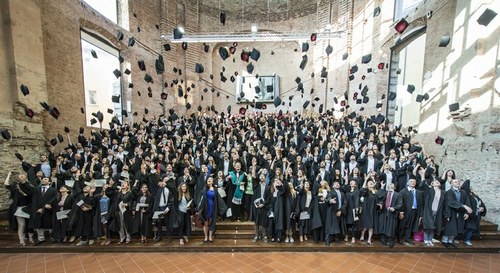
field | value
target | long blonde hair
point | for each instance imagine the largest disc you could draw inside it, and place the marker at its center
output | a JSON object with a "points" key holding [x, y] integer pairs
{"points": [[180, 193]]}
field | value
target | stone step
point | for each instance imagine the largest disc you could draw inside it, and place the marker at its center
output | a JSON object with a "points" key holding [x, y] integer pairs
{"points": [[229, 245]]}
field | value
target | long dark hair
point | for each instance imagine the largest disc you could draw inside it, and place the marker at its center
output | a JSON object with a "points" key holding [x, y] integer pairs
{"points": [[180, 193]]}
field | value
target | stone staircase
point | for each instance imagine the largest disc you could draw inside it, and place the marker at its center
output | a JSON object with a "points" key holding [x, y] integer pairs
{"points": [[237, 237]]}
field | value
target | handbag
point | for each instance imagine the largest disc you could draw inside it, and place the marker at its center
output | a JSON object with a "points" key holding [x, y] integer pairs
{"points": [[197, 220], [305, 215]]}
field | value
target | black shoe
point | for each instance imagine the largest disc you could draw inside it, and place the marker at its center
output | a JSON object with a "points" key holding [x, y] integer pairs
{"points": [[390, 244], [157, 239], [327, 243], [39, 242], [383, 242], [409, 243], [453, 245]]}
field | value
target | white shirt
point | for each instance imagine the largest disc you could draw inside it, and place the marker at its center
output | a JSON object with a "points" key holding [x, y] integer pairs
{"points": [[371, 164], [164, 197]]}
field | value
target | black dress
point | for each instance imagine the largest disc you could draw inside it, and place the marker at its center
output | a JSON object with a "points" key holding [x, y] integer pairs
{"points": [[369, 217], [60, 227]]}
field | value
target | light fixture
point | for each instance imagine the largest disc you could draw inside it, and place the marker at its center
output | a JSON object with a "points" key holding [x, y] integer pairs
{"points": [[254, 29], [252, 37]]}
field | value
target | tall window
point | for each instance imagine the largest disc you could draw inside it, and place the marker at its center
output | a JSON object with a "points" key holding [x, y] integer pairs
{"points": [[409, 60], [108, 8], [403, 7], [100, 83]]}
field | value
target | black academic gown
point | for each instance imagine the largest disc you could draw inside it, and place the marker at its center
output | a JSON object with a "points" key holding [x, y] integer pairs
{"points": [[44, 219], [83, 219], [277, 207], [331, 220], [219, 208], [352, 202], [305, 224], [259, 215], [291, 216], [474, 220], [19, 200], [454, 212], [369, 215], [60, 227], [388, 220], [428, 220], [142, 223]]}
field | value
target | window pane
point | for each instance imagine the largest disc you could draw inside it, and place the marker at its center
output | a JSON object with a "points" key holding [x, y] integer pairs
{"points": [[403, 7], [108, 8], [100, 83], [247, 84]]}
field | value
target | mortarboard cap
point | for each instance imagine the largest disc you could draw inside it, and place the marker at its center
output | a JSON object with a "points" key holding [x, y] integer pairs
{"points": [[130, 85], [223, 78], [115, 99], [376, 12], [5, 134], [206, 48], [124, 113], [255, 54], [303, 62], [148, 78], [184, 45], [60, 138], [232, 79], [25, 90], [94, 54], [378, 105], [351, 77], [178, 32], [117, 73], [66, 130], [180, 92], [392, 96], [277, 101], [320, 108], [19, 156], [305, 104], [243, 110], [298, 80], [93, 121], [119, 35], [222, 18], [379, 119], [419, 98], [257, 89], [188, 106], [329, 50], [45, 106], [381, 66], [159, 65], [401, 25], [410, 88], [163, 96], [53, 142], [250, 68], [305, 47], [199, 68], [55, 112], [366, 100], [454, 107], [110, 111], [166, 47], [359, 101], [224, 53], [127, 71], [314, 36], [245, 56], [344, 56], [366, 59], [426, 96], [131, 41], [444, 41], [142, 65], [354, 69], [121, 59], [486, 17], [439, 140]]}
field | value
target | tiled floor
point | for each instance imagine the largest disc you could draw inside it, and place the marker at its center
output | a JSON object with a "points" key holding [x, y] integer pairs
{"points": [[250, 262]]}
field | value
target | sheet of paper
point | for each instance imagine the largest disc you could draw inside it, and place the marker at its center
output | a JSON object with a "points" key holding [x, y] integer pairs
{"points": [[63, 214], [20, 213]]}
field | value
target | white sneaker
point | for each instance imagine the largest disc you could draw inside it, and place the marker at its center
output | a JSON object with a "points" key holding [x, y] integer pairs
{"points": [[82, 243], [291, 239], [467, 243], [287, 240], [91, 242]]}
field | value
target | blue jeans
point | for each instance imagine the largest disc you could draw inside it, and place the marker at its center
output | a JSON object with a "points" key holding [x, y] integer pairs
{"points": [[468, 234]]}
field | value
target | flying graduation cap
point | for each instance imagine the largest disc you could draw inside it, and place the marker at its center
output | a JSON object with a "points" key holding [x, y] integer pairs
{"points": [[25, 90], [486, 17], [366, 58], [199, 68], [444, 41]]}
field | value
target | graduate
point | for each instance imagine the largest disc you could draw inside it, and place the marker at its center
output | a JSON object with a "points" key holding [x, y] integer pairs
{"points": [[457, 209], [433, 210]]}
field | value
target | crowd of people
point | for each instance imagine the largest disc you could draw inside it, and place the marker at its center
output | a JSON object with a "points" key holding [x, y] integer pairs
{"points": [[298, 178]]}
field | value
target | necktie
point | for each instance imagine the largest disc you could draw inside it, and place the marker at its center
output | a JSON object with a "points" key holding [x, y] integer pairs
{"points": [[388, 200], [43, 191], [414, 199]]}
